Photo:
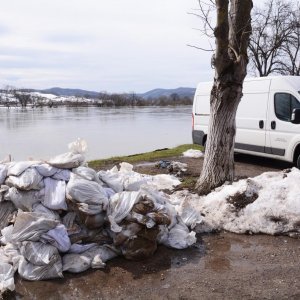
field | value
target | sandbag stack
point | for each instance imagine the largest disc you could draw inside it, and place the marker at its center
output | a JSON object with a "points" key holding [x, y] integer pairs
{"points": [[60, 215]]}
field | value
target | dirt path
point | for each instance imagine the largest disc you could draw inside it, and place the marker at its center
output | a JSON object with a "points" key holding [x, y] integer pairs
{"points": [[219, 266]]}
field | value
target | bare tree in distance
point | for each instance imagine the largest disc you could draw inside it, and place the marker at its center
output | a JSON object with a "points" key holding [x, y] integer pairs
{"points": [[291, 62], [232, 32], [274, 46], [273, 40]]}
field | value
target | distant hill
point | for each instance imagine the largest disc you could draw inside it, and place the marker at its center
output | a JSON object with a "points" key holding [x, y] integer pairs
{"points": [[69, 92], [182, 92]]}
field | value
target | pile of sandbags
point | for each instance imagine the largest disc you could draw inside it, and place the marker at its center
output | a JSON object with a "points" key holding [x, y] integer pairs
{"points": [[59, 215]]}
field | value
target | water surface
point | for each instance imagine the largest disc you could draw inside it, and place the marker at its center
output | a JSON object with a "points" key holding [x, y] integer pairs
{"points": [[44, 132]]}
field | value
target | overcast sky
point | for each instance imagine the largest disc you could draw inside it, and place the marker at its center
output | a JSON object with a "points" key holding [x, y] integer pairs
{"points": [[112, 45]]}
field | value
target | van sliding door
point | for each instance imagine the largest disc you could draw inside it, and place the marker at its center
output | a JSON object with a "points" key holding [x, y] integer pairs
{"points": [[279, 126], [251, 122]]}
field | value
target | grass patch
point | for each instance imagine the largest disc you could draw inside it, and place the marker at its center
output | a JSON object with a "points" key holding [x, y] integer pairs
{"points": [[147, 156], [188, 182]]}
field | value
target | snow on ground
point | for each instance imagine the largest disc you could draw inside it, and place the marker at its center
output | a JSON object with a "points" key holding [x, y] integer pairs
{"points": [[269, 203], [193, 153], [38, 97]]}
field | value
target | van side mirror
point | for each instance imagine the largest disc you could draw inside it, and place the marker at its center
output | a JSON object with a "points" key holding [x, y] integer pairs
{"points": [[295, 118]]}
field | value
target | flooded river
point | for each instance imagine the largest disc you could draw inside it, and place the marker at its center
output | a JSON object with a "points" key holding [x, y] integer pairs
{"points": [[43, 132]]}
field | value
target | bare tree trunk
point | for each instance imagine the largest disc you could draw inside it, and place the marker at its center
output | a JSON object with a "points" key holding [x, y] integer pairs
{"points": [[232, 37]]}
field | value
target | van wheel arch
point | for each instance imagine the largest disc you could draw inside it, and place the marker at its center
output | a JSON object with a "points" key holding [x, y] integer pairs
{"points": [[204, 141], [296, 158]]}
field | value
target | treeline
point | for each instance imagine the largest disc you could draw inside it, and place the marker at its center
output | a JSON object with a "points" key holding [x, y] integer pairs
{"points": [[20, 97], [135, 100]]}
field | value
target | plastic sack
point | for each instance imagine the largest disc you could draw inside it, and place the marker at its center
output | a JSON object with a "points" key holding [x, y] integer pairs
{"points": [[178, 237], [6, 277], [94, 257], [7, 210], [30, 271], [80, 248], [3, 173], [29, 226], [67, 160], [50, 214], [78, 146], [55, 194], [6, 234], [30, 179], [46, 170], [88, 193], [112, 179], [62, 174], [119, 207], [86, 173], [76, 263], [58, 237], [38, 253], [17, 168], [24, 200]]}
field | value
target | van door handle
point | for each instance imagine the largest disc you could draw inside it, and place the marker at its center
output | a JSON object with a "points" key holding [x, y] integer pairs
{"points": [[261, 124], [273, 124]]}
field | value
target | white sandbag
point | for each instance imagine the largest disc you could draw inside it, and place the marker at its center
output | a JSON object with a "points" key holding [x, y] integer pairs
{"points": [[38, 253], [62, 174], [55, 194], [24, 200], [105, 253], [86, 173], [69, 222], [40, 208], [17, 168], [193, 153], [112, 179], [6, 213], [58, 237], [6, 233], [95, 257], [32, 272], [119, 207], [109, 192], [67, 160], [29, 226], [178, 237], [76, 263], [86, 191], [46, 170], [80, 248], [78, 146], [3, 173], [12, 253], [6, 277], [30, 179]]}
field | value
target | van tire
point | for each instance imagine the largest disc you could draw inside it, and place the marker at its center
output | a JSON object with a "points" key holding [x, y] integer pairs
{"points": [[298, 162]]}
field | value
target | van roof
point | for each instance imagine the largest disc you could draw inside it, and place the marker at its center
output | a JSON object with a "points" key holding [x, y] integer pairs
{"points": [[277, 83]]}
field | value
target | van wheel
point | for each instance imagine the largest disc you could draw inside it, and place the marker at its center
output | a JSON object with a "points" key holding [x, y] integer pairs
{"points": [[298, 162]]}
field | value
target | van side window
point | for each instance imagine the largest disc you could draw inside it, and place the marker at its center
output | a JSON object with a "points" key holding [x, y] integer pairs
{"points": [[284, 105]]}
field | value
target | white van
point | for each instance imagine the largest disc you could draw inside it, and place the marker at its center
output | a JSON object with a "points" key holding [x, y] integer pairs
{"points": [[267, 120]]}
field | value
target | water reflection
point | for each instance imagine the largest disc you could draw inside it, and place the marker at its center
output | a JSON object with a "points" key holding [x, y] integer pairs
{"points": [[43, 132]]}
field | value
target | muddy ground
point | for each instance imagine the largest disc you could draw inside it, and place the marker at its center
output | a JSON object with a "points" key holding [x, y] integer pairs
{"points": [[219, 266]]}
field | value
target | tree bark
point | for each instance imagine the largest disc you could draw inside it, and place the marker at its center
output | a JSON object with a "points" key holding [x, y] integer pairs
{"points": [[232, 38]]}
